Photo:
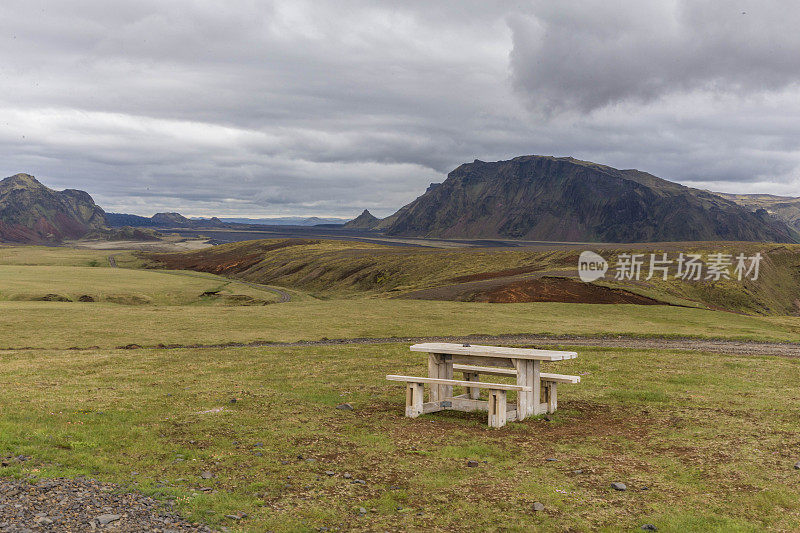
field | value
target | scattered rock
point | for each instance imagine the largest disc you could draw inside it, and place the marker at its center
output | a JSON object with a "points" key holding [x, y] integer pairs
{"points": [[258, 445], [577, 472], [234, 400], [361, 510], [472, 464], [54, 298], [233, 516], [619, 486], [330, 473], [649, 527], [359, 482], [551, 459], [205, 474], [347, 475], [105, 519], [344, 407], [797, 465], [538, 506]]}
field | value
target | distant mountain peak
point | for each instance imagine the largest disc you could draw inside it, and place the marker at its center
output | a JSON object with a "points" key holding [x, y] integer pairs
{"points": [[365, 220]]}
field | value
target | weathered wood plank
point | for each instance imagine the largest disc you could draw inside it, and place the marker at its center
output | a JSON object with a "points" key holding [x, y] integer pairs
{"points": [[560, 378], [502, 362], [492, 351], [457, 382], [487, 370]]}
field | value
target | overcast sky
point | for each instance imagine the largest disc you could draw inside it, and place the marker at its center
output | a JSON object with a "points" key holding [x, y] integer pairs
{"points": [[255, 108]]}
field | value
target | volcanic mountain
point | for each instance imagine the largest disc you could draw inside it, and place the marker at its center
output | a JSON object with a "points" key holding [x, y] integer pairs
{"points": [[365, 220], [564, 199], [32, 213]]}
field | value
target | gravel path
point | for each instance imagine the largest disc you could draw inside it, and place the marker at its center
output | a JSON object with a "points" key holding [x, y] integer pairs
{"points": [[80, 505], [730, 347]]}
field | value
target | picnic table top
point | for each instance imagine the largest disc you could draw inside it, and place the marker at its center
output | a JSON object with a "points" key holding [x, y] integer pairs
{"points": [[477, 350]]}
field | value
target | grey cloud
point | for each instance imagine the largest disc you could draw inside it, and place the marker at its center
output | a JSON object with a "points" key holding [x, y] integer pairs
{"points": [[280, 108], [594, 53]]}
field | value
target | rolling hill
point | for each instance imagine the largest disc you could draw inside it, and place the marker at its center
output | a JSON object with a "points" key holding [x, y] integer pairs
{"points": [[564, 199]]}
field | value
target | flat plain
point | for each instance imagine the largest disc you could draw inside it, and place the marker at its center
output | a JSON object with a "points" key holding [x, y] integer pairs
{"points": [[703, 441]]}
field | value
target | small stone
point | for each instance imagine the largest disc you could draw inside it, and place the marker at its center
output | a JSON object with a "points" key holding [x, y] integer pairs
{"points": [[233, 516], [347, 475], [258, 454], [205, 474], [361, 510], [577, 472], [649, 527], [551, 459], [106, 519], [258, 445], [344, 407], [359, 482], [472, 464], [330, 473], [619, 486], [796, 465], [234, 400], [538, 506]]}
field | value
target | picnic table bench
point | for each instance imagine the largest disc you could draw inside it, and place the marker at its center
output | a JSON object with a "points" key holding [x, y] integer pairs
{"points": [[536, 390]]}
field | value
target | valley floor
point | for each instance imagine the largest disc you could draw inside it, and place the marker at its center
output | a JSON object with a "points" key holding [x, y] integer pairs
{"points": [[694, 410]]}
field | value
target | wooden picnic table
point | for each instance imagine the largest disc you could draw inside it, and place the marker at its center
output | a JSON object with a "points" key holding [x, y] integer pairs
{"points": [[473, 360]]}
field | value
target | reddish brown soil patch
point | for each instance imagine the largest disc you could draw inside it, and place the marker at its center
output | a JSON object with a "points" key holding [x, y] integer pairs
{"points": [[553, 289], [226, 261]]}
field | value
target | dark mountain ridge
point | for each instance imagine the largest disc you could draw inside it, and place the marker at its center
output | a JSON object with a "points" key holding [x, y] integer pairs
{"points": [[33, 213], [565, 199]]}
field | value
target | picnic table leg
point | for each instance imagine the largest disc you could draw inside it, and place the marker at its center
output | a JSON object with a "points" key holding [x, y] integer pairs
{"points": [[446, 372], [528, 376], [497, 408], [535, 408], [434, 364], [414, 399], [552, 396], [440, 366], [473, 392]]}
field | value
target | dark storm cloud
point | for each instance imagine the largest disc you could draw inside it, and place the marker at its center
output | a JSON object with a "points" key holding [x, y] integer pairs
{"points": [[590, 54], [270, 108]]}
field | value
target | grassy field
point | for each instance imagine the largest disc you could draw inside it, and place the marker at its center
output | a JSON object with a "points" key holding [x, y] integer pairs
{"points": [[122, 286], [704, 442], [700, 443], [58, 325]]}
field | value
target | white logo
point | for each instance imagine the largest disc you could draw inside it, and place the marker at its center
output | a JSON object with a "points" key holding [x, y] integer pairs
{"points": [[591, 266]]}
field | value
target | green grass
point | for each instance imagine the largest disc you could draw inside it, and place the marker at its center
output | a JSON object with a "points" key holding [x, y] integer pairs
{"points": [[65, 324], [115, 285], [715, 452], [51, 255]]}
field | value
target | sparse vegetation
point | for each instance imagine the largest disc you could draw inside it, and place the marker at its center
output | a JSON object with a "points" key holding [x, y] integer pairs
{"points": [[700, 443]]}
